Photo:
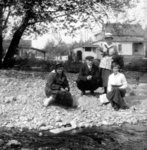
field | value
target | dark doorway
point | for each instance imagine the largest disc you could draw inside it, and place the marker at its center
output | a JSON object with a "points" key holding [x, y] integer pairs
{"points": [[79, 55], [138, 48]]}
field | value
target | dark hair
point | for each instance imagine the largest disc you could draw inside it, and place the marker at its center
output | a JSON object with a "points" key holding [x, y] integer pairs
{"points": [[114, 64], [58, 65]]}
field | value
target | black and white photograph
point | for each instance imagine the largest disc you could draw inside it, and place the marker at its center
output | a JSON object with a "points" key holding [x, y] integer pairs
{"points": [[73, 74]]}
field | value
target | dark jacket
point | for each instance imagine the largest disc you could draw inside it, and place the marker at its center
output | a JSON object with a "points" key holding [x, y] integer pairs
{"points": [[84, 72], [55, 82]]}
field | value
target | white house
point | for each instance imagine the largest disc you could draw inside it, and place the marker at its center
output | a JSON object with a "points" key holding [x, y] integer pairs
{"points": [[128, 38], [79, 54]]}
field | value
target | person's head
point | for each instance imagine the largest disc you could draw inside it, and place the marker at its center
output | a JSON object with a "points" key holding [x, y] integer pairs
{"points": [[59, 68], [89, 60], [108, 38], [115, 68]]}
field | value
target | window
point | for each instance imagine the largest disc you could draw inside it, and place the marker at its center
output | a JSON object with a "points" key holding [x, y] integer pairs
{"points": [[137, 47], [87, 49]]}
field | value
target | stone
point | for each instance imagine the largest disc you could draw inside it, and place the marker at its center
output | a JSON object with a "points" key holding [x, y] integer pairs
{"points": [[13, 143], [10, 99], [59, 124], [40, 134], [81, 125], [58, 119], [22, 98], [73, 124], [1, 142], [59, 130], [43, 128]]}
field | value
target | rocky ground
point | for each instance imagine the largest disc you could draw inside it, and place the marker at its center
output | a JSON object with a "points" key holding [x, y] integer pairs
{"points": [[22, 95]]}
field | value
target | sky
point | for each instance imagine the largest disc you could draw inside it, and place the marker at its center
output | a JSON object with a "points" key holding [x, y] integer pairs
{"points": [[137, 15]]}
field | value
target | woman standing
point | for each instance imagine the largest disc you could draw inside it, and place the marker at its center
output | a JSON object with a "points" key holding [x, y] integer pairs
{"points": [[108, 50], [117, 85]]}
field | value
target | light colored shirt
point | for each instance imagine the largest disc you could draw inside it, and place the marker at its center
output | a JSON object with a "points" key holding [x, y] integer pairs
{"points": [[107, 60], [110, 49], [119, 80]]}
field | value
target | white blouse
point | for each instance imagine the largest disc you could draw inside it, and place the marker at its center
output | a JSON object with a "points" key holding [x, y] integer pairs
{"points": [[107, 60], [119, 80]]}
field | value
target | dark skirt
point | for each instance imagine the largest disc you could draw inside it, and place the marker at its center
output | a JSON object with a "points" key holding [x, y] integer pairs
{"points": [[105, 75], [116, 97], [63, 98]]}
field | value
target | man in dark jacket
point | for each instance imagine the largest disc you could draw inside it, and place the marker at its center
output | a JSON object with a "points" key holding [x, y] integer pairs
{"points": [[57, 88], [89, 77]]}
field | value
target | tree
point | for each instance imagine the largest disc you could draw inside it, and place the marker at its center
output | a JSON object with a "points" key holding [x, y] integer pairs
{"points": [[1, 38], [36, 16]]}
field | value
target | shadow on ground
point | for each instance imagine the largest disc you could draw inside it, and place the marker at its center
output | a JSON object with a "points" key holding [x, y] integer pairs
{"points": [[125, 137]]}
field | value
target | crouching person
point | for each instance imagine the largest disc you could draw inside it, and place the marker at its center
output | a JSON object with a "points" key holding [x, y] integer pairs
{"points": [[57, 89], [89, 77], [117, 85]]}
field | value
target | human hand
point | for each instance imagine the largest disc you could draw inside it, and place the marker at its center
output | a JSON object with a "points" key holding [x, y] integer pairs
{"points": [[67, 89], [62, 89], [89, 77]]}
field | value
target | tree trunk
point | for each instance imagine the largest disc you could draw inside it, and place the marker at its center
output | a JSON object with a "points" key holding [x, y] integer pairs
{"points": [[1, 37], [14, 43]]}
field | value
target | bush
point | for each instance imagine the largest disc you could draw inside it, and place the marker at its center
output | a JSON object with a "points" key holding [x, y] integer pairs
{"points": [[34, 64], [72, 67], [137, 65]]}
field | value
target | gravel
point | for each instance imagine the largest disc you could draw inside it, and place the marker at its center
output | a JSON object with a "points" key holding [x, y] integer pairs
{"points": [[21, 104]]}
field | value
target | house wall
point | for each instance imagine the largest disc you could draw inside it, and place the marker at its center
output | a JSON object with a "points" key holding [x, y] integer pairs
{"points": [[127, 48], [91, 53], [94, 53]]}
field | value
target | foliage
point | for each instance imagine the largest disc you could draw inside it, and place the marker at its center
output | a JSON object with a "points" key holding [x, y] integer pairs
{"points": [[38, 16]]}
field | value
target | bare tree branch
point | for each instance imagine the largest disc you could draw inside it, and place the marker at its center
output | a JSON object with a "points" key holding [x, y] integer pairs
{"points": [[6, 20]]}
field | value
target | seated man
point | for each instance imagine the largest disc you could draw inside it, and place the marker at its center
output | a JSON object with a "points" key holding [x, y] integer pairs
{"points": [[117, 85], [89, 77], [57, 88]]}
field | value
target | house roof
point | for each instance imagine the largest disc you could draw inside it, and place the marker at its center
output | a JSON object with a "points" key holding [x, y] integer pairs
{"points": [[124, 32], [22, 43], [126, 39], [124, 29], [39, 50], [91, 45]]}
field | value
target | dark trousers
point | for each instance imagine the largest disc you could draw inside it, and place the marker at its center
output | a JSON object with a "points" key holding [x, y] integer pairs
{"points": [[116, 97], [88, 85]]}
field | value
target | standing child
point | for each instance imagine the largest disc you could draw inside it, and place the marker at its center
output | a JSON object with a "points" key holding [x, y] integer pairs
{"points": [[108, 50]]}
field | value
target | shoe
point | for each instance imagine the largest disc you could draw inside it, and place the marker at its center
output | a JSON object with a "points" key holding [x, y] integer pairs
{"points": [[48, 101], [116, 108]]}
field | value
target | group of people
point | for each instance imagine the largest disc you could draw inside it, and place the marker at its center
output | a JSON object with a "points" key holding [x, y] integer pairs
{"points": [[90, 78]]}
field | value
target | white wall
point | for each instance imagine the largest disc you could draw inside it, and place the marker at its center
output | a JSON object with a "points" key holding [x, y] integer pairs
{"points": [[92, 53], [127, 49], [85, 54]]}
